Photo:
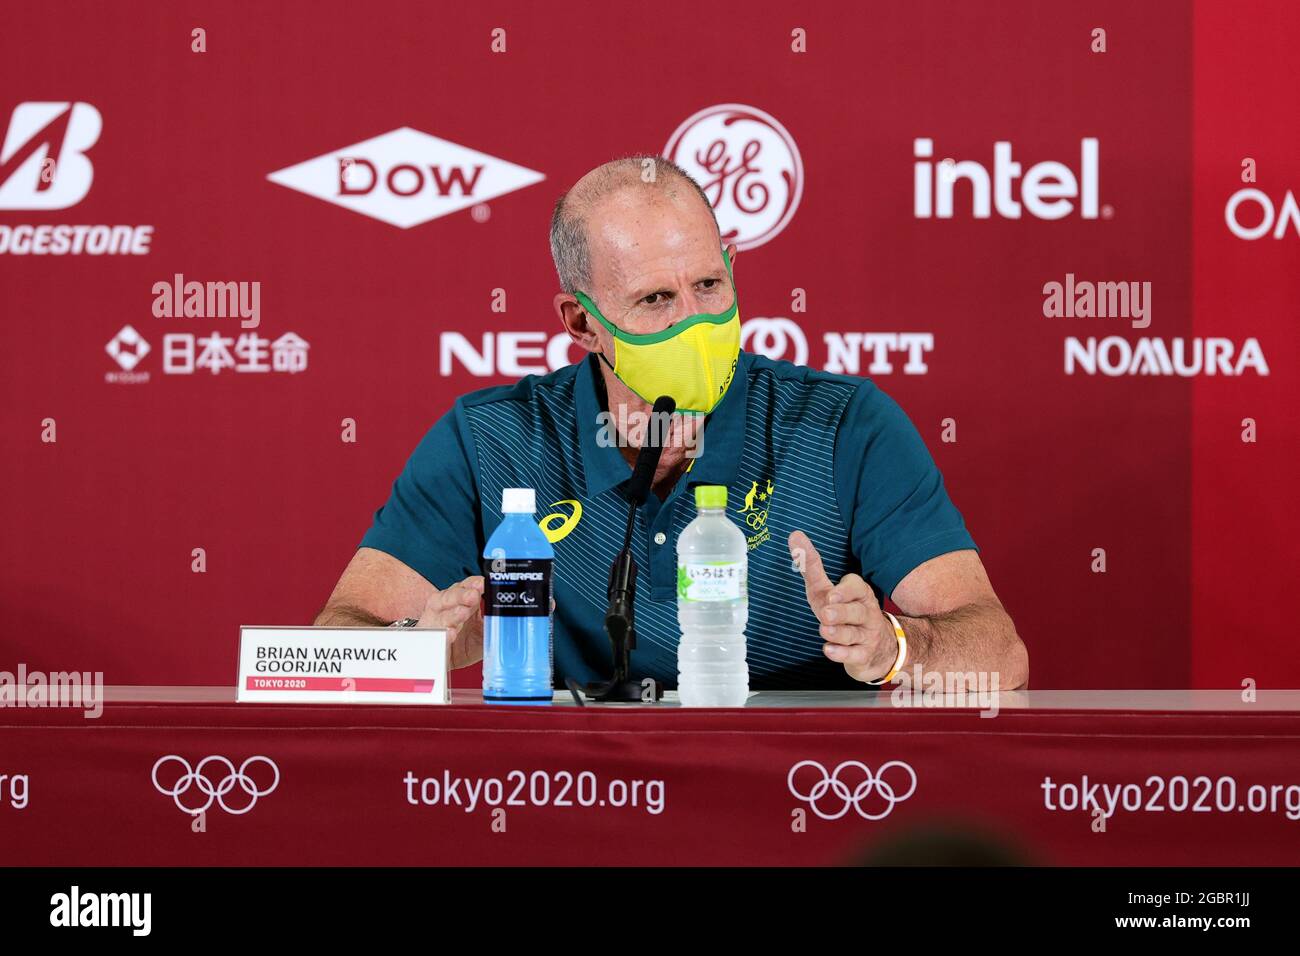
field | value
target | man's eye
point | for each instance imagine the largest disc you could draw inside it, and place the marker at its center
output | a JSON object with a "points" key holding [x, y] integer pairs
{"points": [[708, 283], [654, 297]]}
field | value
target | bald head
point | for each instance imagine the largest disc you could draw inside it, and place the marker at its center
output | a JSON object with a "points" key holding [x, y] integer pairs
{"points": [[633, 180]]}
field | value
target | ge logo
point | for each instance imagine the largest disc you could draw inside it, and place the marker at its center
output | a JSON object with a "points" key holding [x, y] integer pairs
{"points": [[772, 338], [216, 790], [748, 165], [848, 785]]}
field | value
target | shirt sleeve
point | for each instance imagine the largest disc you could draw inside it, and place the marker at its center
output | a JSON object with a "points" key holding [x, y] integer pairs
{"points": [[890, 491], [431, 521]]}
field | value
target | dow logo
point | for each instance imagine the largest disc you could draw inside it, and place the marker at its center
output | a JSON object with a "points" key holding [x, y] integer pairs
{"points": [[42, 162], [405, 177]]}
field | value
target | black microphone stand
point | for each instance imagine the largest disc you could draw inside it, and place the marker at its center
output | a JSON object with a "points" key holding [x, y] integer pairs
{"points": [[620, 615]]}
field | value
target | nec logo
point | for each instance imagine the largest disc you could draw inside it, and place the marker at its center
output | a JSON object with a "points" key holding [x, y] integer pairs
{"points": [[42, 162], [1046, 188], [513, 354], [405, 177]]}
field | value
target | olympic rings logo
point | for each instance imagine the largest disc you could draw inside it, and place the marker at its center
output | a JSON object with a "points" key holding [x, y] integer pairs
{"points": [[510, 597], [832, 783], [199, 779], [756, 519]]}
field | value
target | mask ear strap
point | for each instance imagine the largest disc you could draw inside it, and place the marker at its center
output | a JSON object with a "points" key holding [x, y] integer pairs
{"points": [[589, 308]]}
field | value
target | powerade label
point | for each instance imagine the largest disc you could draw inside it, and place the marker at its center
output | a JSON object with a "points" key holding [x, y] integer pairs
{"points": [[723, 581], [517, 587]]}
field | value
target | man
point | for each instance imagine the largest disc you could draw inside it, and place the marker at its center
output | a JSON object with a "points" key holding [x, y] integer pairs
{"points": [[825, 465]]}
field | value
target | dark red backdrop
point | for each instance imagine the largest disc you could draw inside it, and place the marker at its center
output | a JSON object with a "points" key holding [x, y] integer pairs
{"points": [[1198, 527]]}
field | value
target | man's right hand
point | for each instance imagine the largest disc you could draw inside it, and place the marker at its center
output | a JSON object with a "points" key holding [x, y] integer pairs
{"points": [[459, 609]]}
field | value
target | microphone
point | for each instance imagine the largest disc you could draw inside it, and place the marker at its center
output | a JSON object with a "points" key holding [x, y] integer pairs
{"points": [[622, 576], [621, 592], [647, 460]]}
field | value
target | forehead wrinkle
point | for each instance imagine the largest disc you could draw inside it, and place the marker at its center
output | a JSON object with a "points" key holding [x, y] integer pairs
{"points": [[680, 255], [643, 237]]}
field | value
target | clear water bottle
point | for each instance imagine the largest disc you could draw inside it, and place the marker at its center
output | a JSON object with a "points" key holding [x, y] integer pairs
{"points": [[712, 606], [517, 566]]}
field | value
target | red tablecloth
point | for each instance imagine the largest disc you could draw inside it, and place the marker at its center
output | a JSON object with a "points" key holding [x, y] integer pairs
{"points": [[469, 784]]}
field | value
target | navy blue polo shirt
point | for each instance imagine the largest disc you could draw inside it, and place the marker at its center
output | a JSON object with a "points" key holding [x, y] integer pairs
{"points": [[831, 455]]}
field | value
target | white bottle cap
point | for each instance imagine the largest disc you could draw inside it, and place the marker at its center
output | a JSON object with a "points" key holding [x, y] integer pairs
{"points": [[518, 501]]}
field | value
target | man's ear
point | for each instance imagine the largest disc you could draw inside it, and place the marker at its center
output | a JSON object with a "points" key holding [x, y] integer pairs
{"points": [[731, 253], [576, 322]]}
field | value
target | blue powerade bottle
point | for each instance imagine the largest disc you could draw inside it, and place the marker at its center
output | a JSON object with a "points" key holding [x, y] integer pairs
{"points": [[517, 565]]}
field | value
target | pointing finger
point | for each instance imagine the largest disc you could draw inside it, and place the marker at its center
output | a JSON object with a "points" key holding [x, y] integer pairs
{"points": [[816, 584]]}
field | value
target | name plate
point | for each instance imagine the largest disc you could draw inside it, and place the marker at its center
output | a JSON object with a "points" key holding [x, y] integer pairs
{"points": [[350, 665]]}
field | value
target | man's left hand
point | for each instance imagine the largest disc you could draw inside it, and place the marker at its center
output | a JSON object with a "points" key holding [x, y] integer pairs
{"points": [[856, 631]]}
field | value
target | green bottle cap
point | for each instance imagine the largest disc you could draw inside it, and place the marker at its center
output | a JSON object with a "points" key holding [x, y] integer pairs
{"points": [[710, 496]]}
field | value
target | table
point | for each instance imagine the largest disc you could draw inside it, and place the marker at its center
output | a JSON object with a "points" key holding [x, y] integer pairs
{"points": [[1053, 777]]}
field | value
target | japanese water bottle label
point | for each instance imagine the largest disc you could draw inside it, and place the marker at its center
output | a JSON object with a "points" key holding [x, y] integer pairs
{"points": [[720, 581], [517, 587]]}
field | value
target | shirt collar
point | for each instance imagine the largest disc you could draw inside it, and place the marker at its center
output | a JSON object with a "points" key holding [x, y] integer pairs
{"points": [[602, 466], [724, 435]]}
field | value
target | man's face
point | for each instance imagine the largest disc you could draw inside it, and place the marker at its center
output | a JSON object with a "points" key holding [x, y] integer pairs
{"points": [[655, 260]]}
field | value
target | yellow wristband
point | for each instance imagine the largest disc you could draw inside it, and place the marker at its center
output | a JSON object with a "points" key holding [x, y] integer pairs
{"points": [[901, 659]]}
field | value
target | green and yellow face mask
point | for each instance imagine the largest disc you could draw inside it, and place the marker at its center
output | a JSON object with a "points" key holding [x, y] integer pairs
{"points": [[693, 360]]}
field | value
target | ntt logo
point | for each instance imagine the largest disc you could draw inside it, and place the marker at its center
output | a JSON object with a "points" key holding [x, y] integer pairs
{"points": [[1276, 220]]}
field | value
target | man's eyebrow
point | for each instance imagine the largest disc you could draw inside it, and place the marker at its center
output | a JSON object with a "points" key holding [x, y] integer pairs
{"points": [[644, 291], [717, 274]]}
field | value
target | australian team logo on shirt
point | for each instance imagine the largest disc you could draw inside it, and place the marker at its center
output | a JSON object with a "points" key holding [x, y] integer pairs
{"points": [[754, 513]]}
